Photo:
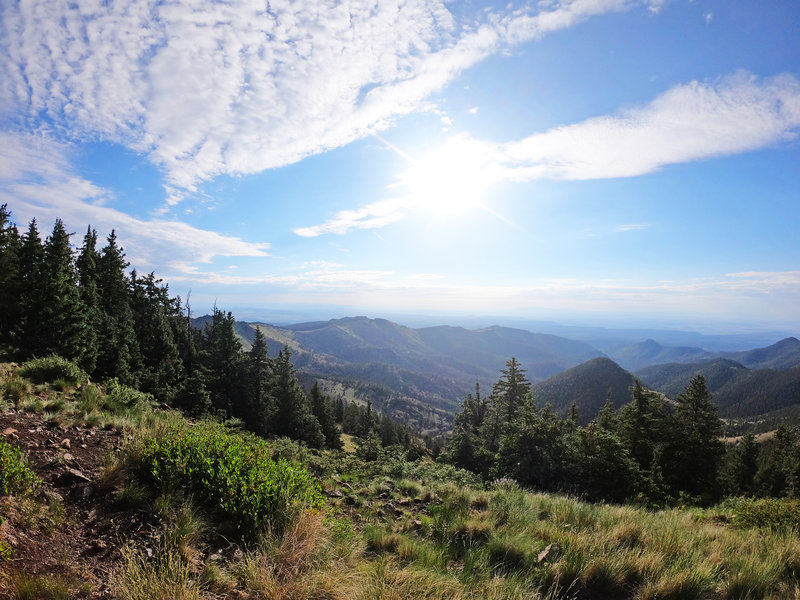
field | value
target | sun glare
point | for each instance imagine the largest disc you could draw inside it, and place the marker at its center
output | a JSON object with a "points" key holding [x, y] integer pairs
{"points": [[450, 180]]}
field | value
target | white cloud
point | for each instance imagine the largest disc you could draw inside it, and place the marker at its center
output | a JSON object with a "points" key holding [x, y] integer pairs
{"points": [[377, 214], [211, 88], [687, 123], [36, 181]]}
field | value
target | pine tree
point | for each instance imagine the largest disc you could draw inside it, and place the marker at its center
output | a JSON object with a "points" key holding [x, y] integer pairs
{"points": [[509, 395], [321, 409], [152, 308], [292, 415], [30, 329], [62, 324], [258, 406], [118, 354], [86, 265], [9, 276], [695, 448], [223, 363], [743, 467]]}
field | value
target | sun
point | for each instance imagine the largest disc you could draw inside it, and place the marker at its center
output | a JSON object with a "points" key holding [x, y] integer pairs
{"points": [[452, 180]]}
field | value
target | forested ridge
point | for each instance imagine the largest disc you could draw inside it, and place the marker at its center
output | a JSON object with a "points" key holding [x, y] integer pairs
{"points": [[116, 324]]}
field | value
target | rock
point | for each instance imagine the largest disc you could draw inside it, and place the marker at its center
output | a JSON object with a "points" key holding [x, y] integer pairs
{"points": [[71, 476], [52, 496], [335, 494], [404, 502], [10, 432], [550, 554], [84, 492], [66, 444], [68, 457], [417, 523]]}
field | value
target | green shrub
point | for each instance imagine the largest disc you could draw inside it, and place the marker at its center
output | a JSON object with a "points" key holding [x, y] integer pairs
{"points": [[775, 513], [51, 368], [233, 476], [16, 476], [122, 396]]}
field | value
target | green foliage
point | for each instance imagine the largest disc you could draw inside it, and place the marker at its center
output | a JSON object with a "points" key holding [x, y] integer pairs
{"points": [[52, 367], [772, 513], [16, 476], [231, 475]]}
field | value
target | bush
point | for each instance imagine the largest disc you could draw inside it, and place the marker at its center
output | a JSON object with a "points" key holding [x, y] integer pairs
{"points": [[774, 513], [16, 476], [233, 476], [51, 368], [118, 395]]}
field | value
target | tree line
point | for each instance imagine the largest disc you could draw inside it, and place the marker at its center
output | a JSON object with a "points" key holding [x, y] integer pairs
{"points": [[87, 307], [652, 450]]}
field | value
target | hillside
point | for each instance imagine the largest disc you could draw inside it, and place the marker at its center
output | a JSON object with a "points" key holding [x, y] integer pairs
{"points": [[672, 378], [416, 375], [588, 385], [784, 354], [113, 499], [649, 352]]}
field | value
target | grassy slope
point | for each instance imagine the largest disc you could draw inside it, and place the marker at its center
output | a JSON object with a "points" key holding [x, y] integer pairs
{"points": [[399, 530]]}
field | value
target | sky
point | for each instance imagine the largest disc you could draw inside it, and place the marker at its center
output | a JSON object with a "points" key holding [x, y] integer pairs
{"points": [[583, 161]]}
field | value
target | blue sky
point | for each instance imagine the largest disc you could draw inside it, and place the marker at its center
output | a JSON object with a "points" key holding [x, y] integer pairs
{"points": [[587, 161]]}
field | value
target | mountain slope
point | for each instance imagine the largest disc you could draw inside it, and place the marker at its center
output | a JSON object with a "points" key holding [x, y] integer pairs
{"points": [[672, 378], [784, 354], [588, 385], [650, 352]]}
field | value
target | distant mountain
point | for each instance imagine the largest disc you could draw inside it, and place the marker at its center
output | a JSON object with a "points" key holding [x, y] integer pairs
{"points": [[759, 392], [672, 378], [587, 385], [784, 354], [417, 375], [650, 352], [737, 390]]}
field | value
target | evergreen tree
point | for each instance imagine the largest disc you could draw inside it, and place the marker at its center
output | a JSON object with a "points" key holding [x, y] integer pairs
{"points": [[152, 309], [88, 282], [321, 409], [30, 329], [292, 416], [118, 354], [223, 362], [695, 448], [466, 448], [9, 276], [258, 406], [62, 323], [604, 467], [643, 430], [509, 395], [743, 466]]}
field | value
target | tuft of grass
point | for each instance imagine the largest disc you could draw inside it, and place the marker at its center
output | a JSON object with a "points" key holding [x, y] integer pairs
{"points": [[51, 368], [40, 587], [164, 576], [15, 389]]}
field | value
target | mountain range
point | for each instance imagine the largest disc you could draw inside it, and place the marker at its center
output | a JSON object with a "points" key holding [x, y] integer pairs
{"points": [[421, 375]]}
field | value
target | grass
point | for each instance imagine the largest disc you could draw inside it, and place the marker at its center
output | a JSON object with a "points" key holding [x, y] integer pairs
{"points": [[400, 530]]}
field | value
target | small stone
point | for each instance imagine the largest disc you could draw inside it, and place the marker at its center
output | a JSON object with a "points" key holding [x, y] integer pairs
{"points": [[549, 554], [149, 552], [66, 444], [10, 432], [68, 457], [335, 494], [84, 446], [52, 497], [417, 523]]}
